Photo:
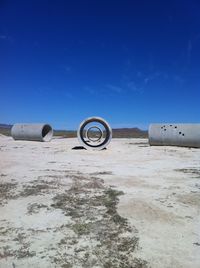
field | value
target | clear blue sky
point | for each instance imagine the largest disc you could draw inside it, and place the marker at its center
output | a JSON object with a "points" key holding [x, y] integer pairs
{"points": [[131, 62]]}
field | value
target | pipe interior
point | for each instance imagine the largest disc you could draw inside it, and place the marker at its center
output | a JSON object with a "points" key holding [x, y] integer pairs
{"points": [[100, 124], [47, 133], [94, 134]]}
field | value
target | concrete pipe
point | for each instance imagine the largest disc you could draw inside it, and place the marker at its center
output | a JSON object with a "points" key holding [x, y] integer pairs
{"points": [[185, 135], [32, 132], [94, 133]]}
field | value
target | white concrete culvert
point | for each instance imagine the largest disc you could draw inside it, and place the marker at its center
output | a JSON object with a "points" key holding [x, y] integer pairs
{"points": [[94, 133], [32, 132], [183, 135]]}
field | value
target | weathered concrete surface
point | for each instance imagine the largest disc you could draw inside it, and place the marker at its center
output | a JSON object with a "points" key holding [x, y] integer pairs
{"points": [[161, 200], [32, 132], [184, 135], [104, 129]]}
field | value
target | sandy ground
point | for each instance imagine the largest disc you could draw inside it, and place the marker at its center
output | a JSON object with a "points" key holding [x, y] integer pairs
{"points": [[63, 207]]}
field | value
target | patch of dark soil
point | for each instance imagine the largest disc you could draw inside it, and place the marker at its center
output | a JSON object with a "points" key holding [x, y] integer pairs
{"points": [[7, 192], [108, 239], [22, 247], [37, 187], [101, 173], [35, 208], [192, 171], [95, 184], [94, 234]]}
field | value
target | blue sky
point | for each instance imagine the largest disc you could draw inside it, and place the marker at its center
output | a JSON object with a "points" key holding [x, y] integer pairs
{"points": [[131, 62]]}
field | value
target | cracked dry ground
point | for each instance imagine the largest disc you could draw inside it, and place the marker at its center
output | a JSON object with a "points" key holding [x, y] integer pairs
{"points": [[66, 225]]}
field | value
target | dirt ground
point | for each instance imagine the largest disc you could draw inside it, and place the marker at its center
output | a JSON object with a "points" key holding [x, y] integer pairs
{"points": [[130, 206]]}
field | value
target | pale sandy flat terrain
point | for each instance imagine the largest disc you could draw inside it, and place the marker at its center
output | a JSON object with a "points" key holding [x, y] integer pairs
{"points": [[64, 207]]}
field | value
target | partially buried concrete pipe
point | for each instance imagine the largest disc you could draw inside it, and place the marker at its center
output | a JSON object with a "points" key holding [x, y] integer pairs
{"points": [[185, 135], [32, 132], [94, 133]]}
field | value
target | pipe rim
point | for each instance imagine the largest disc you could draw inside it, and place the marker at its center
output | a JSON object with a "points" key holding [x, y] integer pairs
{"points": [[99, 146]]}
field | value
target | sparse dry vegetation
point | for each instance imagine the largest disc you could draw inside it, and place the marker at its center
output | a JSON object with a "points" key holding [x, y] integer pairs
{"points": [[99, 236], [35, 208], [58, 210], [37, 187], [111, 241], [192, 171], [7, 191]]}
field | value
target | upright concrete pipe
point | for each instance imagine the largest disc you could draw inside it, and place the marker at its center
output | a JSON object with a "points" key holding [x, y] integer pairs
{"points": [[185, 135], [94, 133], [32, 132]]}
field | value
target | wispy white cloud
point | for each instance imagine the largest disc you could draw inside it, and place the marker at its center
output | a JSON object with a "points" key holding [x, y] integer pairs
{"points": [[151, 77], [131, 86], [3, 37], [192, 42], [6, 38], [137, 83], [179, 79], [56, 92], [65, 68], [163, 76], [68, 95], [100, 90], [114, 88], [90, 90], [139, 74]]}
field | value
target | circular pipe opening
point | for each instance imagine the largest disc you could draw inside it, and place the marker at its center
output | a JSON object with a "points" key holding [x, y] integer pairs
{"points": [[47, 133], [94, 134]]}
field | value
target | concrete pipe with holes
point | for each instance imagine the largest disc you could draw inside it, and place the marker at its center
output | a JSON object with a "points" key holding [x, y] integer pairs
{"points": [[94, 133], [32, 132], [185, 135]]}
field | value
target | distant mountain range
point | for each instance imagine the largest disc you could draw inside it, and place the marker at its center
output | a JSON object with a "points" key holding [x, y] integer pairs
{"points": [[129, 133], [5, 126], [5, 129], [117, 132]]}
